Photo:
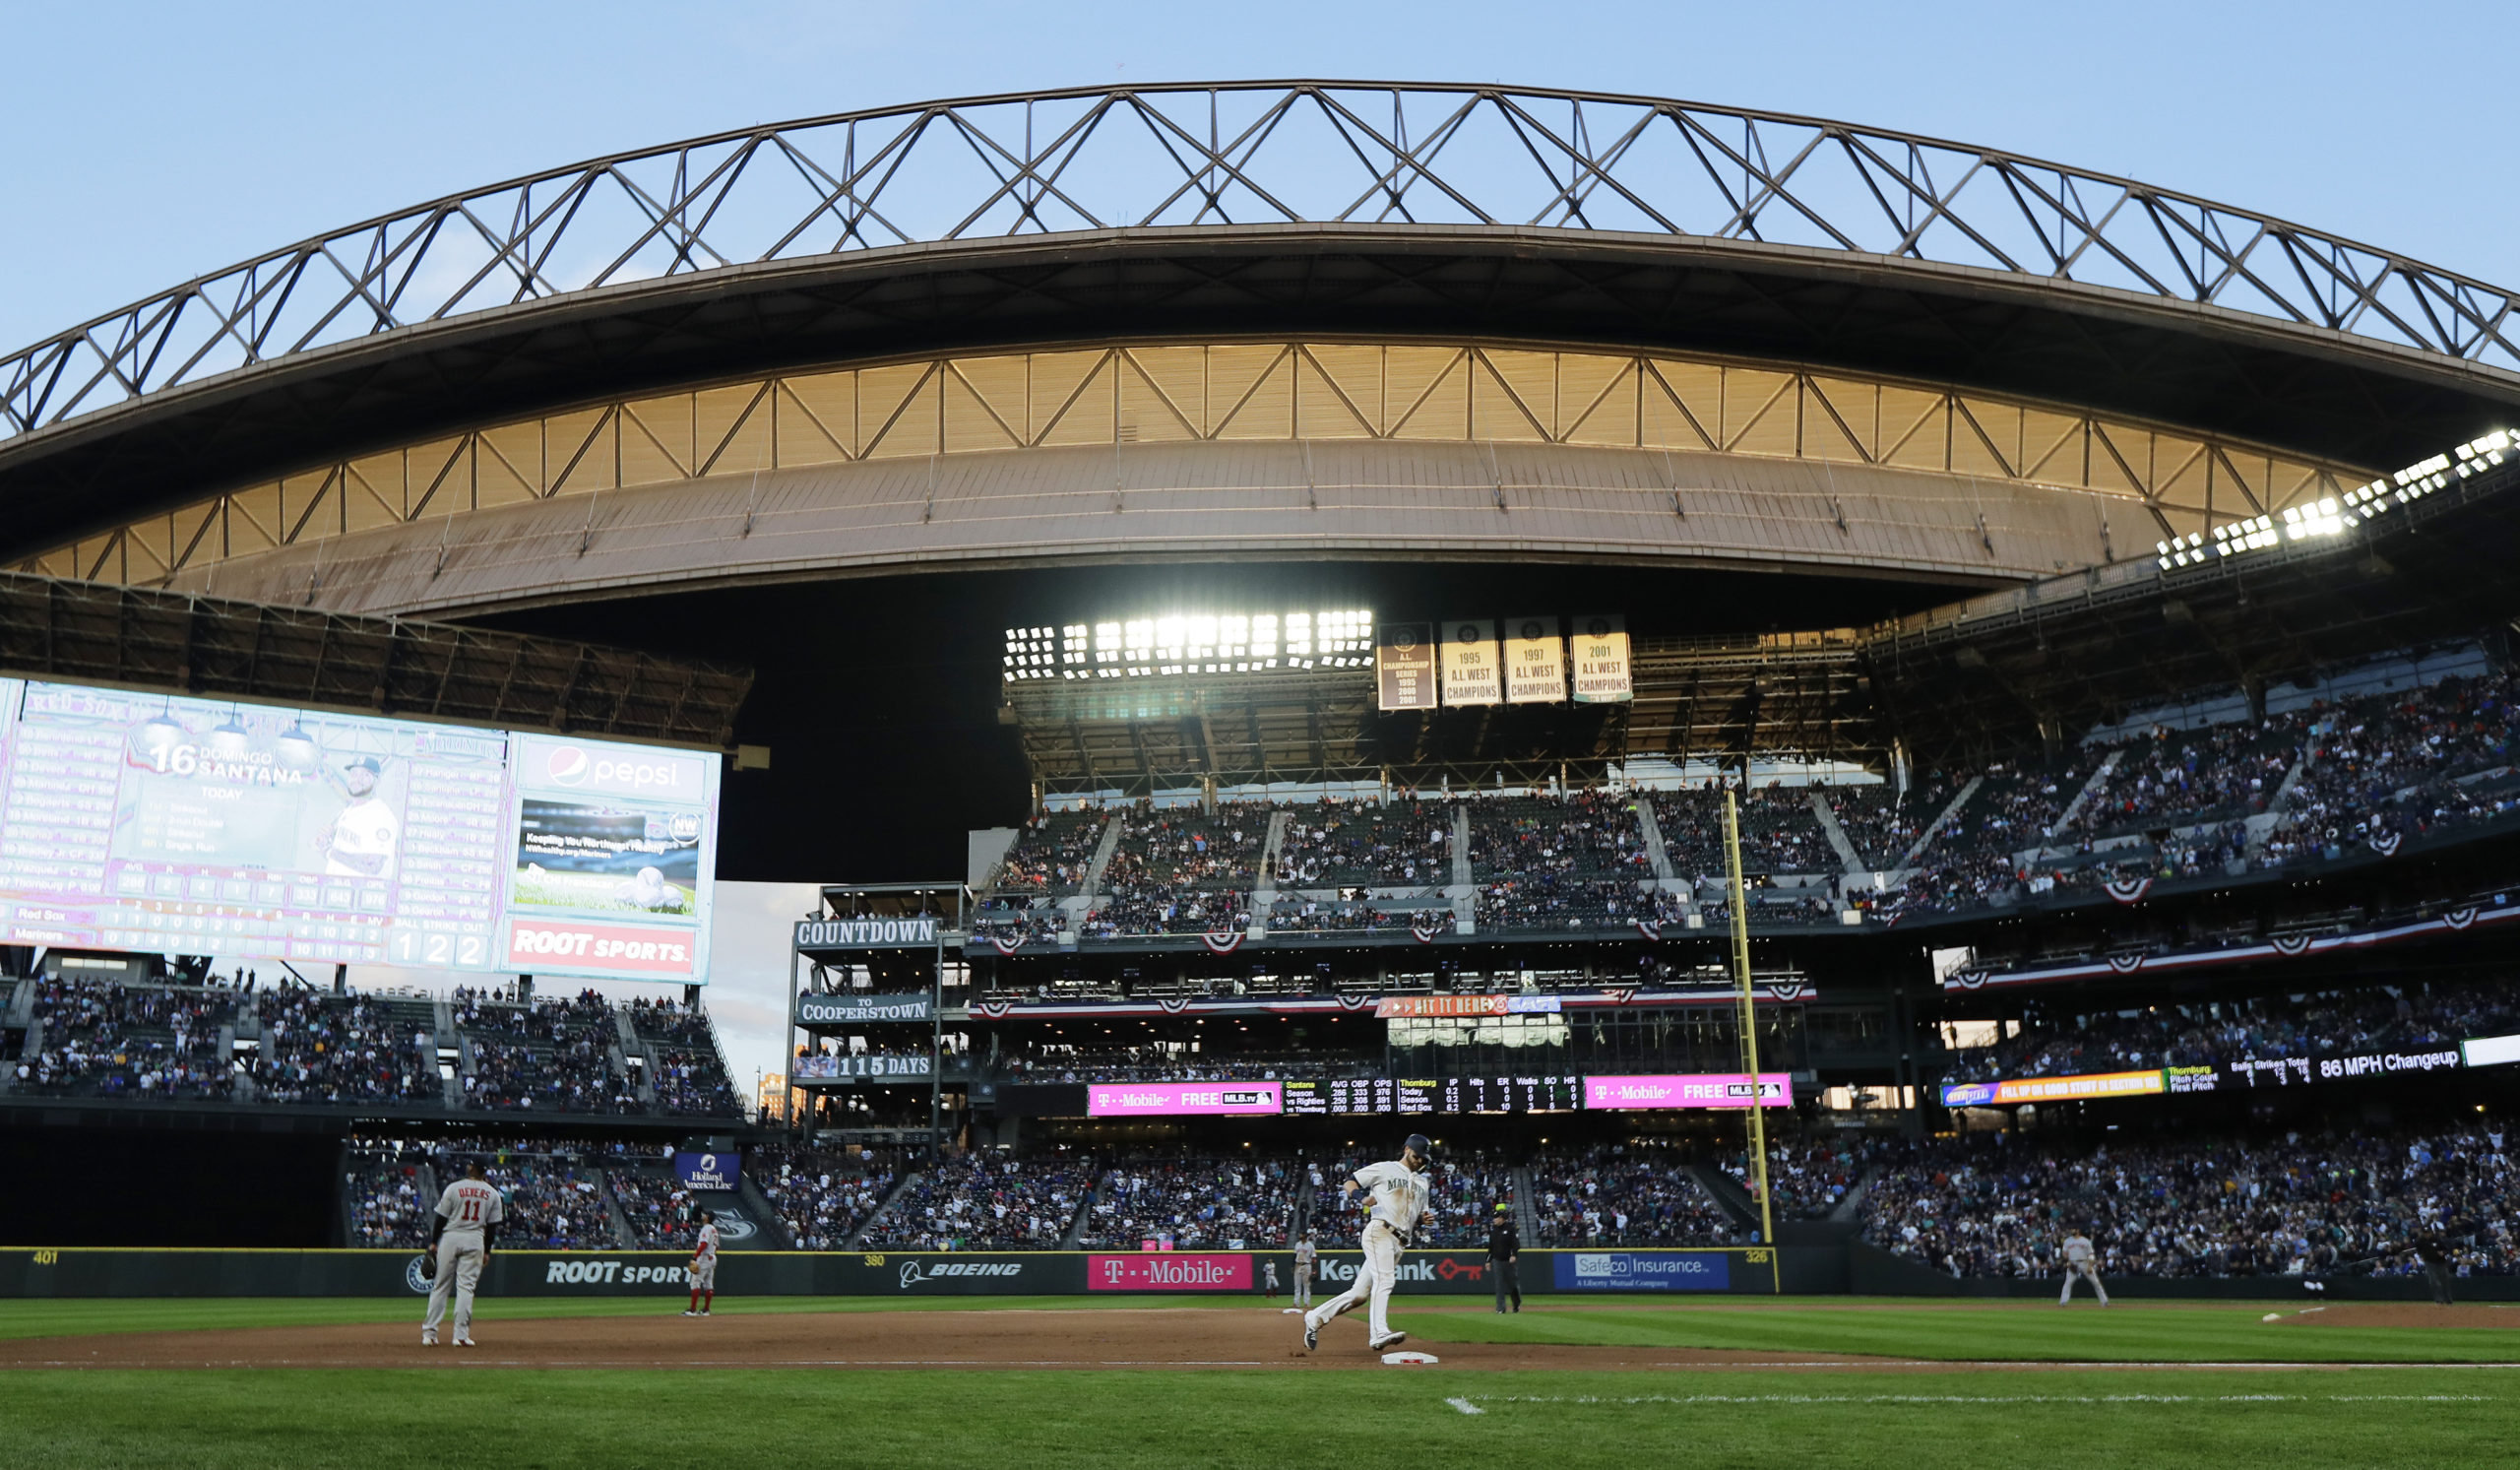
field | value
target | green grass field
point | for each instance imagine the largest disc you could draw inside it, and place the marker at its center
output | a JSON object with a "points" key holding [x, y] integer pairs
{"points": [[2418, 1410]]}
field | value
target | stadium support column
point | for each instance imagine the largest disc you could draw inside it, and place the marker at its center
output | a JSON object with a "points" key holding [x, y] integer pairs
{"points": [[796, 1116], [1749, 1011], [936, 1053]]}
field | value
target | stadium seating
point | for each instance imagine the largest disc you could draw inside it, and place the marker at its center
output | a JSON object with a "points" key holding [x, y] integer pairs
{"points": [[661, 1212], [2302, 1204], [1621, 1195], [1462, 1204], [2408, 1018], [549, 1056], [822, 1197], [979, 1202], [346, 1050], [104, 1039], [1051, 855], [1341, 842], [1194, 1203], [385, 1204]]}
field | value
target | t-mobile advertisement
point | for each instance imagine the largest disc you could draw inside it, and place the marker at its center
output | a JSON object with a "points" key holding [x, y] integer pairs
{"points": [[1633, 1271], [1690, 1089], [1167, 1271], [1176, 1099]]}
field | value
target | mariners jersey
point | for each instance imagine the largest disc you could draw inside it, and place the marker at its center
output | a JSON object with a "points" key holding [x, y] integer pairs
{"points": [[363, 841], [1399, 1193], [470, 1204], [707, 1249]]}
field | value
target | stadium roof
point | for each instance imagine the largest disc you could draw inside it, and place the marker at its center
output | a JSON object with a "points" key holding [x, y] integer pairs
{"points": [[301, 659], [1209, 210]]}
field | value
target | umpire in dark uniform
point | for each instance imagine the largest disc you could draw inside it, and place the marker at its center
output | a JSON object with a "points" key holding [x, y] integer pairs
{"points": [[1504, 1244]]}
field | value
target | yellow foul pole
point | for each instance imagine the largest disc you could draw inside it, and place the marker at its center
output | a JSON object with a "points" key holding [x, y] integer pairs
{"points": [[1748, 1022]]}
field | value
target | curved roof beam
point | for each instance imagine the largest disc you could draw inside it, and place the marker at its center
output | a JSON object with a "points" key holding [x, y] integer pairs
{"points": [[1272, 152]]}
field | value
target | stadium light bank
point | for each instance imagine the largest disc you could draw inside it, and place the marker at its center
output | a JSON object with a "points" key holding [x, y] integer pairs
{"points": [[2331, 515], [1191, 643]]}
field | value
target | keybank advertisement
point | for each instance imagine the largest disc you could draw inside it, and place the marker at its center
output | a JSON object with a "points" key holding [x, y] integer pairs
{"points": [[1630, 1271], [191, 826]]}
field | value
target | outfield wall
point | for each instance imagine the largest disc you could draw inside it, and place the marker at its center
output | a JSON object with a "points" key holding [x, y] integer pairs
{"points": [[73, 1272], [1862, 1270]]}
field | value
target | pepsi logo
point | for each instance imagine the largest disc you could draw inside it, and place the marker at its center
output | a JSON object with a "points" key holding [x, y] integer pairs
{"points": [[568, 765]]}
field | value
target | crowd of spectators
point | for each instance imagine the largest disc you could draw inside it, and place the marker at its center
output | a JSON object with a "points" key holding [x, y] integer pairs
{"points": [[107, 1039], [385, 1204], [823, 1197], [2301, 1205], [1587, 835], [1557, 902], [1810, 1177], [1882, 826], [983, 1202], [1462, 1203], [553, 1203], [335, 1050], [691, 1081], [574, 1074], [661, 1213], [1193, 1203], [1622, 1194], [1407, 843], [1780, 832], [1054, 851], [2410, 1017]]}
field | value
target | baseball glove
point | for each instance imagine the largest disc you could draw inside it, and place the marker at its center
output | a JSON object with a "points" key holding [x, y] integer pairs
{"points": [[428, 1265]]}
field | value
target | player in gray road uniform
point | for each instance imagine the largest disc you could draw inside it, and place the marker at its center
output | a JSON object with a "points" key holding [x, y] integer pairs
{"points": [[468, 1218], [2081, 1260], [1304, 1257], [1399, 1189]]}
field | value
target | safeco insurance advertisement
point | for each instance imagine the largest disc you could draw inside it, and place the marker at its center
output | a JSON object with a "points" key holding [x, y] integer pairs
{"points": [[189, 826]]}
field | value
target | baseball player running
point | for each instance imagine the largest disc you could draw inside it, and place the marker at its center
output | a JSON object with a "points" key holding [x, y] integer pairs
{"points": [[1399, 1190], [704, 1267], [1304, 1257], [2084, 1262], [468, 1216]]}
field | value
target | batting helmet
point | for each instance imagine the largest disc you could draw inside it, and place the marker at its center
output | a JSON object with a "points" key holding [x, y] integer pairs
{"points": [[1419, 1145]]}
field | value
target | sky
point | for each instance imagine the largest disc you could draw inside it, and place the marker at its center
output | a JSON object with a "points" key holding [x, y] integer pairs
{"points": [[151, 143]]}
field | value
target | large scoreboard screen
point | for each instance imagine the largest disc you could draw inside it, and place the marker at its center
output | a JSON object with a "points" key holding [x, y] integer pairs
{"points": [[190, 826]]}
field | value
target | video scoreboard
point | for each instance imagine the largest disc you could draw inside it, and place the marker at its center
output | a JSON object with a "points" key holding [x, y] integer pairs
{"points": [[1417, 1096]]}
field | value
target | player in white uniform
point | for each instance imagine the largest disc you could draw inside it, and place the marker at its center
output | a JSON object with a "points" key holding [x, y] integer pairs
{"points": [[468, 1213], [360, 842], [1304, 1257], [704, 1267], [1399, 1190], [2084, 1262]]}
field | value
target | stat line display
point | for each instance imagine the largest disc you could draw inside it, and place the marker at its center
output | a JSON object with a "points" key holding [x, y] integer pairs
{"points": [[145, 823]]}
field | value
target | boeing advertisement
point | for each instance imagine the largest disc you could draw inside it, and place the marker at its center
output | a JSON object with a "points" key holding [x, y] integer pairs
{"points": [[146, 823]]}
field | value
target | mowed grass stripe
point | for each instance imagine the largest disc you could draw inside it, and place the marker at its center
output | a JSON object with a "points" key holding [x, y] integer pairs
{"points": [[71, 1318], [380, 1420], [2116, 1334]]}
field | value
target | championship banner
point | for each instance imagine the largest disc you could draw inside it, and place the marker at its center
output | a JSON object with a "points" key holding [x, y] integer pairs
{"points": [[1405, 667], [1534, 661], [1601, 660], [1472, 672], [1435, 1007]]}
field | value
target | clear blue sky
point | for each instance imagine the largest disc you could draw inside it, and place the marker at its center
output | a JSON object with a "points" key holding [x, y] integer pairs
{"points": [[149, 143]]}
